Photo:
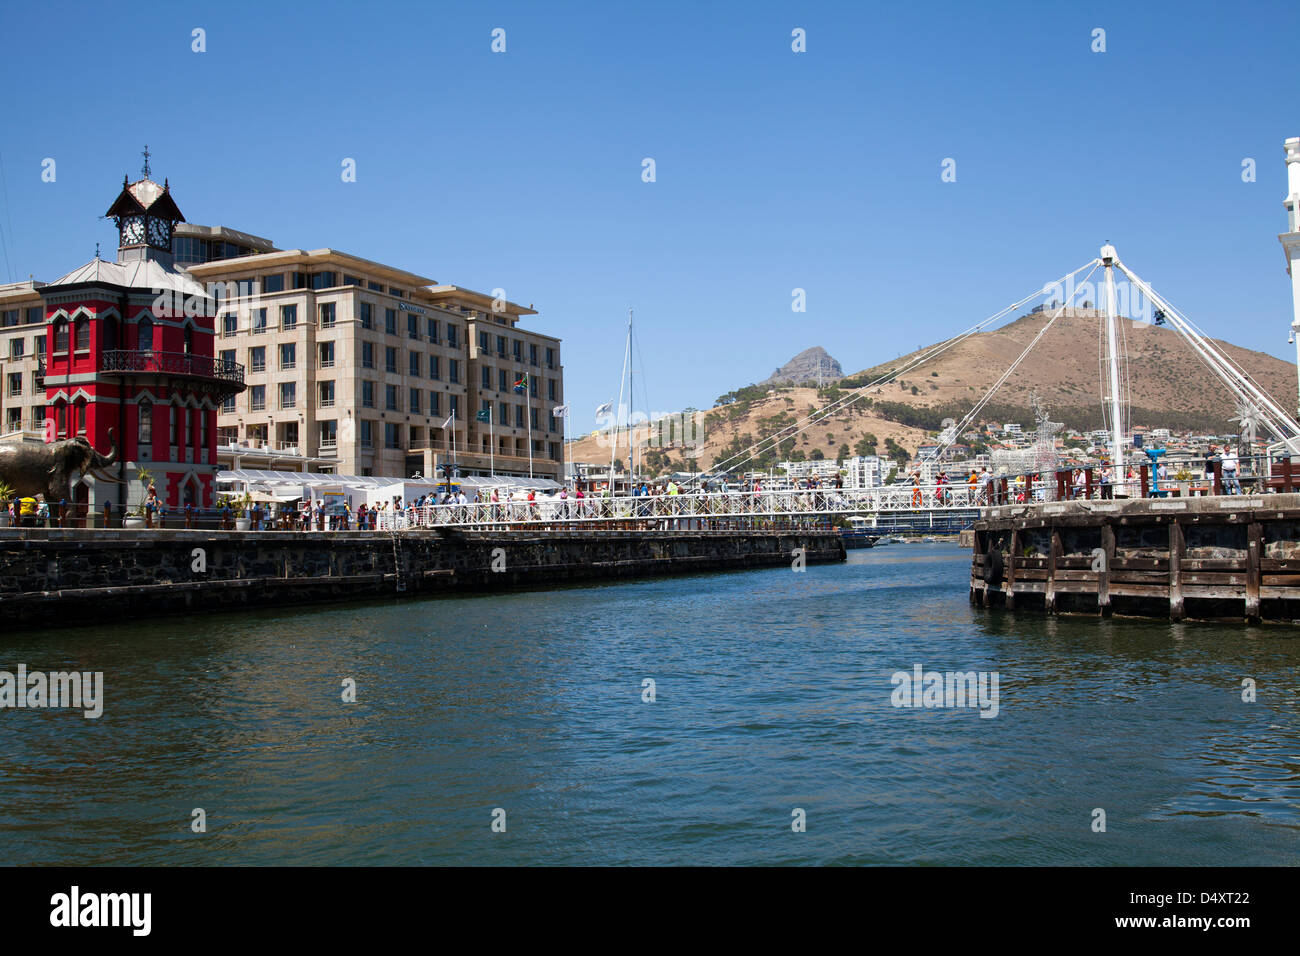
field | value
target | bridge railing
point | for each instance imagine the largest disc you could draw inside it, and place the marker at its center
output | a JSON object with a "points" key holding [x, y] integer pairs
{"points": [[705, 508]]}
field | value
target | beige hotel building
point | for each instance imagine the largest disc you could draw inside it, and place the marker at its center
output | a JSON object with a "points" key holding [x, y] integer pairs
{"points": [[352, 367]]}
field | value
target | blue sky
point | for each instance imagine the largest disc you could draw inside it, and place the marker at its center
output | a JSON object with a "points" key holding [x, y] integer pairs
{"points": [[774, 170]]}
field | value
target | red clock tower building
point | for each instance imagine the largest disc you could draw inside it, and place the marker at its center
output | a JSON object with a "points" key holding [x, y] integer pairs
{"points": [[129, 347]]}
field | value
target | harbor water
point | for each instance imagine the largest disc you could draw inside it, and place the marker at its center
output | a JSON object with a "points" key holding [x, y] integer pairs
{"points": [[772, 694]]}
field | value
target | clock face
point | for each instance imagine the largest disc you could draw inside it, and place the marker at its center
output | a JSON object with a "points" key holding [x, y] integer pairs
{"points": [[160, 233], [132, 230]]}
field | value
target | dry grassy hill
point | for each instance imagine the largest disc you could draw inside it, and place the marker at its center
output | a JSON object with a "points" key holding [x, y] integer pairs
{"points": [[1169, 387]]}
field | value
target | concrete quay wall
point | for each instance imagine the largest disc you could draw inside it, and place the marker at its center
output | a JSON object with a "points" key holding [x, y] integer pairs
{"points": [[62, 576]]}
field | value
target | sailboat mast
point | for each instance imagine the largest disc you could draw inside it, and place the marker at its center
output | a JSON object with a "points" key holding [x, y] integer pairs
{"points": [[631, 401]]}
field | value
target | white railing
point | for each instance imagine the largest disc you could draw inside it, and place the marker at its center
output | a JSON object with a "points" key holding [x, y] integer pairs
{"points": [[695, 509]]}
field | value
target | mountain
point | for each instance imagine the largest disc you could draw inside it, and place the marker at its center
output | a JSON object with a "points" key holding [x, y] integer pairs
{"points": [[1168, 387], [812, 366]]}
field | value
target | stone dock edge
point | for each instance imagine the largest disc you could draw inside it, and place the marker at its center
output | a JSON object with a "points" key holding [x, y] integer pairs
{"points": [[61, 576]]}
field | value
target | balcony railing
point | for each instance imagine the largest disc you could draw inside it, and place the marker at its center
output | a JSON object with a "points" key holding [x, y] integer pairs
{"points": [[175, 363]]}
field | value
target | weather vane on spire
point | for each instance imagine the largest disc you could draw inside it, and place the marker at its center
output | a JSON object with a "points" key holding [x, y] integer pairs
{"points": [[146, 160]]}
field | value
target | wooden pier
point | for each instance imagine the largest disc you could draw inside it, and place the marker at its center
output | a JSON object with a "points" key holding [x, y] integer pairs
{"points": [[1216, 557]]}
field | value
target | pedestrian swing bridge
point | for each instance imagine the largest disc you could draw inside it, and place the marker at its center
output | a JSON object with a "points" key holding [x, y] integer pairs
{"points": [[803, 507], [761, 507]]}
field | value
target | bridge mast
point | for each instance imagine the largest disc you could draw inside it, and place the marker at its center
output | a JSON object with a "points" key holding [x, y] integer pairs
{"points": [[1291, 238], [1108, 257]]}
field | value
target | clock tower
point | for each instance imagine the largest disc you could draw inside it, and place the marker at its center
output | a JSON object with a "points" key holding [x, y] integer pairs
{"points": [[146, 217]]}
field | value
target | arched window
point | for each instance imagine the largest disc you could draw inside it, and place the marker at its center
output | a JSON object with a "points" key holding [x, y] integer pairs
{"points": [[146, 424], [61, 419], [81, 416], [83, 333], [189, 340], [61, 335], [144, 334]]}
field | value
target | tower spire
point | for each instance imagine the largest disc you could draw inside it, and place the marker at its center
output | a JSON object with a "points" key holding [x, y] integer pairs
{"points": [[146, 161]]}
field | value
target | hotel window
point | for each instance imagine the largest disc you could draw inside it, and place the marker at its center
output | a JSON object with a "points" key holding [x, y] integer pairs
{"points": [[414, 397], [486, 376], [288, 394], [453, 371], [532, 418], [288, 357], [326, 354], [390, 321], [483, 342], [532, 386], [15, 385], [367, 433], [519, 351], [503, 414], [501, 346], [431, 326], [273, 283], [40, 346], [301, 280], [413, 363], [259, 321], [503, 380], [229, 325], [35, 314], [324, 280], [392, 435], [257, 398], [227, 359], [228, 435], [257, 359], [390, 398], [327, 315], [367, 354], [519, 416], [329, 433], [61, 335], [187, 340], [555, 451], [326, 394], [412, 326], [16, 348], [396, 292], [288, 317], [375, 286], [550, 427], [550, 390], [435, 367], [10, 318], [390, 360], [145, 436], [83, 334], [228, 407], [352, 280], [367, 394], [453, 406], [367, 315], [435, 404], [550, 358], [532, 354], [451, 336]]}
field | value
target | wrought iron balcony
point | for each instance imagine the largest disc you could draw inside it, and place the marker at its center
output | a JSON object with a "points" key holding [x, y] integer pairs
{"points": [[175, 363]]}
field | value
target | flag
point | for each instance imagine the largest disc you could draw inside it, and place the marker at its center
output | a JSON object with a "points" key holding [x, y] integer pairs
{"points": [[450, 419], [485, 415], [522, 384], [605, 409], [560, 411]]}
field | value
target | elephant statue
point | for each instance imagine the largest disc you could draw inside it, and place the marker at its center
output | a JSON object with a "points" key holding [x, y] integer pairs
{"points": [[52, 469]]}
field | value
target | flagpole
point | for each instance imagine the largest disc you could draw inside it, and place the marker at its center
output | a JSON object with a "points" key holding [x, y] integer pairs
{"points": [[528, 404], [492, 444]]}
